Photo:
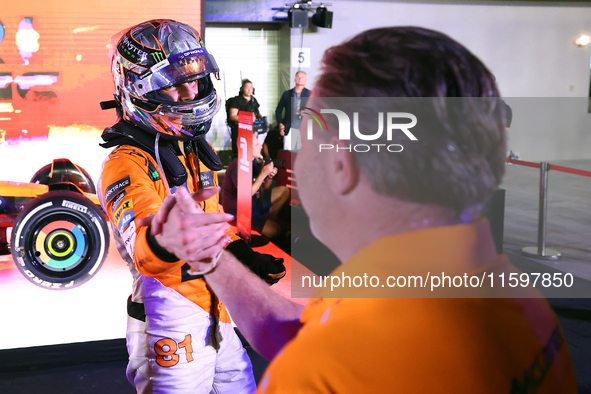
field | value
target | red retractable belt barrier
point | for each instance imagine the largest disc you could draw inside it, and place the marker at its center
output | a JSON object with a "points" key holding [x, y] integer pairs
{"points": [[524, 163], [244, 197], [552, 167], [570, 170]]}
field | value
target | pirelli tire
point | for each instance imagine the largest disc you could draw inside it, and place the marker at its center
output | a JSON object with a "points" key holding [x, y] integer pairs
{"points": [[60, 240]]}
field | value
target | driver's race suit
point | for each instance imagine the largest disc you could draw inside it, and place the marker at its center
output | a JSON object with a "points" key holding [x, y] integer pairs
{"points": [[179, 337]]}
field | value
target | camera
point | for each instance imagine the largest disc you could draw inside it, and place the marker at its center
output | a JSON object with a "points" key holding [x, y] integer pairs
{"points": [[276, 163], [261, 126]]}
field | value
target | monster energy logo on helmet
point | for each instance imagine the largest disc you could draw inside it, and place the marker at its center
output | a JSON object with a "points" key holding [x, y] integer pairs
{"points": [[138, 54], [158, 56], [130, 51]]}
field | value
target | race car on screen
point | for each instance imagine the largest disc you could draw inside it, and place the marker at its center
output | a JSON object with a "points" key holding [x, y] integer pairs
{"points": [[60, 236]]}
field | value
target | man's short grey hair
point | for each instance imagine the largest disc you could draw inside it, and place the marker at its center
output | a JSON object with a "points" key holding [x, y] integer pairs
{"points": [[459, 157]]}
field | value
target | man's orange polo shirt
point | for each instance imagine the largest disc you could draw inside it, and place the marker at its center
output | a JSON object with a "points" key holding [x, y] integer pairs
{"points": [[425, 345]]}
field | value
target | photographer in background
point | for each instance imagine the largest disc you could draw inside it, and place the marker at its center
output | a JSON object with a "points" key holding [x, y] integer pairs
{"points": [[245, 101], [267, 201]]}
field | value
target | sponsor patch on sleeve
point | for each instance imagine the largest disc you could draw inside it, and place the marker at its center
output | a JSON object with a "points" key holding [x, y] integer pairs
{"points": [[126, 219], [153, 172], [126, 206], [118, 200], [116, 187], [128, 237]]}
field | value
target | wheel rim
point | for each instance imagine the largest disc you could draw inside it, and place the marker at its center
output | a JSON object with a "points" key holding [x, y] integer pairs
{"points": [[59, 245]]}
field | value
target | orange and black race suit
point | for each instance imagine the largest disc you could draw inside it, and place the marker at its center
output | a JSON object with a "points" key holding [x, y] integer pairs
{"points": [[131, 188], [179, 335]]}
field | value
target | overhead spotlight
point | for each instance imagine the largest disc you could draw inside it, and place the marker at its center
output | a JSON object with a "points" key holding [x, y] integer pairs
{"points": [[298, 14], [583, 40], [298, 18], [322, 18]]}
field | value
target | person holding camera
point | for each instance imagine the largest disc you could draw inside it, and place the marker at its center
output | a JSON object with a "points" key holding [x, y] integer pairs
{"points": [[267, 201], [245, 101]]}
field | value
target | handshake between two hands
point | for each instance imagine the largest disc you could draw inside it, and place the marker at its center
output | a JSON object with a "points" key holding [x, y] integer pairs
{"points": [[181, 227]]}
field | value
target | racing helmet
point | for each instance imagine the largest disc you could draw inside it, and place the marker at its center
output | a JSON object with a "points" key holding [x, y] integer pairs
{"points": [[158, 54]]}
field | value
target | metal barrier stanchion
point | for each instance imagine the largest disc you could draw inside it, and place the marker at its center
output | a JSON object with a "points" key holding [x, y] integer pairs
{"points": [[540, 251]]}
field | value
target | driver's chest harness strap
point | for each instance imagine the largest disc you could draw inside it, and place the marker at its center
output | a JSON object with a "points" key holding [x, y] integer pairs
{"points": [[125, 133]]}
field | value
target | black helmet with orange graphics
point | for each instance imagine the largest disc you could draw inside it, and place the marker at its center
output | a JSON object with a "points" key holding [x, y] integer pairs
{"points": [[158, 54]]}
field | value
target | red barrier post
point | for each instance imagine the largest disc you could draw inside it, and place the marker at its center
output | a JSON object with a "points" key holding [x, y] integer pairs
{"points": [[244, 198]]}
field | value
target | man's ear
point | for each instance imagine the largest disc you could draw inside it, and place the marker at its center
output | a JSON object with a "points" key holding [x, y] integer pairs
{"points": [[343, 171]]}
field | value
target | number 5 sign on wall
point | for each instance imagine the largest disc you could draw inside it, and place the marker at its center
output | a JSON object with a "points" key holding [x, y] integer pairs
{"points": [[300, 57]]}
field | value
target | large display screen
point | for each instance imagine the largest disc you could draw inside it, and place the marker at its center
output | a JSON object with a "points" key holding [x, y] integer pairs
{"points": [[54, 72]]}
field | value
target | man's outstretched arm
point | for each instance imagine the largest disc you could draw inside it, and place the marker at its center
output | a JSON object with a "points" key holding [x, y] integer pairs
{"points": [[266, 319]]}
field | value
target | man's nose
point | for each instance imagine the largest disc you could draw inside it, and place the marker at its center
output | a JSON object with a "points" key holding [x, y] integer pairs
{"points": [[188, 91]]}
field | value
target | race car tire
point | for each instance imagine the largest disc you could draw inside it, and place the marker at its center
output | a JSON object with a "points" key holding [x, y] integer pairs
{"points": [[60, 240]]}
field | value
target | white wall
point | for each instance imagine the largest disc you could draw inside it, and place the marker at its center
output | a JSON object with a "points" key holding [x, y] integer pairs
{"points": [[530, 49]]}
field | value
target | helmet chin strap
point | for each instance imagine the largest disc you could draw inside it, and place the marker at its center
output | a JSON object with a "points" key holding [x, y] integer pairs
{"points": [[110, 104]]}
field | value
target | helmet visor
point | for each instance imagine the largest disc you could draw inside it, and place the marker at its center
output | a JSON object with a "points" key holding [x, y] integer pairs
{"points": [[179, 68]]}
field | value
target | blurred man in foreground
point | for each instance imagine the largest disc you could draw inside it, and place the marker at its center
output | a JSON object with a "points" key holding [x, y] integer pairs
{"points": [[410, 209]]}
